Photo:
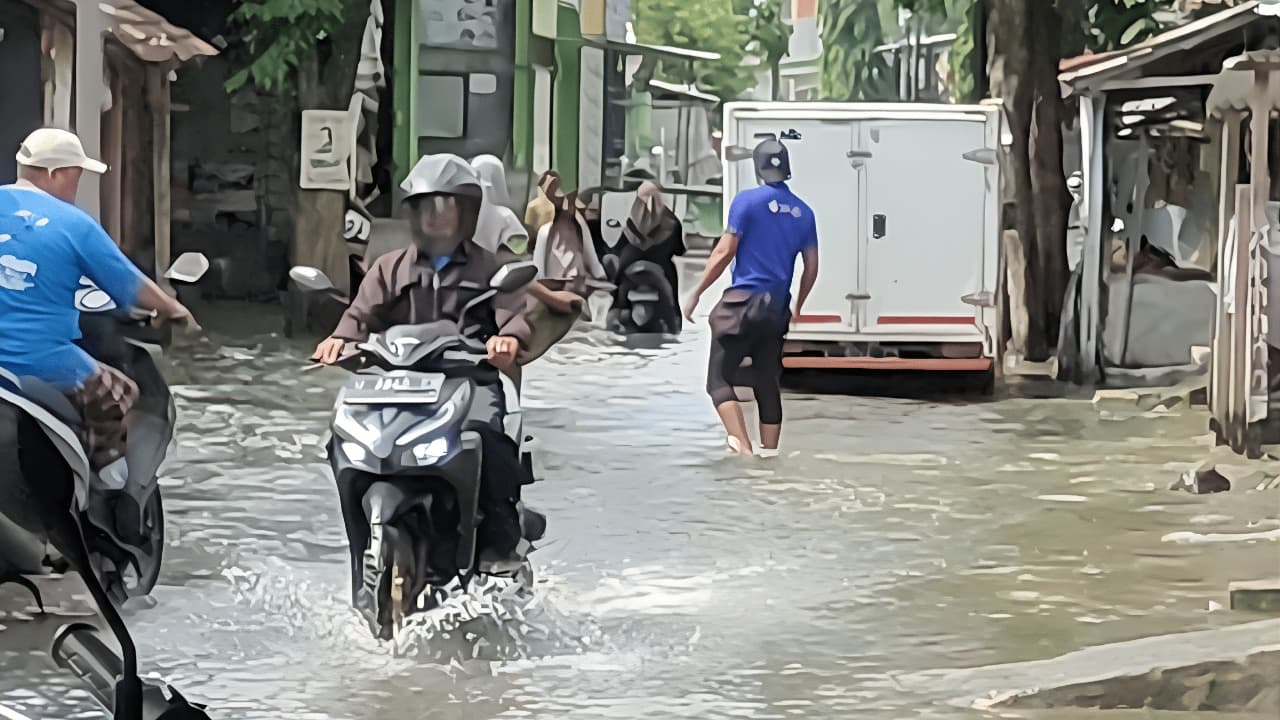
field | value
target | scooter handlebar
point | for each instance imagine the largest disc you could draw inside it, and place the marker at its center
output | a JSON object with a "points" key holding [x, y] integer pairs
{"points": [[80, 649]]}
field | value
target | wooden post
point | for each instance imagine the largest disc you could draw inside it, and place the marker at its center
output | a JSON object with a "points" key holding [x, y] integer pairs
{"points": [[1094, 111], [1236, 416], [1133, 238], [90, 25], [161, 185], [1220, 354]]}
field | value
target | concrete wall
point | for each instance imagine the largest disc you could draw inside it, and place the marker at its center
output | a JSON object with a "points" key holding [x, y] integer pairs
{"points": [[234, 175]]}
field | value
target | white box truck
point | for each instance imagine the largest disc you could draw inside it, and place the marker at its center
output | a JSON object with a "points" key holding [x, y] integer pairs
{"points": [[907, 204]]}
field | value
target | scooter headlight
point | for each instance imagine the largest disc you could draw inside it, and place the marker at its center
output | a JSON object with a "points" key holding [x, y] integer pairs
{"points": [[429, 453], [454, 406], [354, 429], [354, 452]]}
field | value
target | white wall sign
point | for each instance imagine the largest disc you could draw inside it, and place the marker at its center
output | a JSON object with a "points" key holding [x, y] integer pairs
{"points": [[328, 145]]}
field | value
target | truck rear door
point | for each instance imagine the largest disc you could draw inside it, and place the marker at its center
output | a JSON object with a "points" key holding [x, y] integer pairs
{"points": [[928, 210]]}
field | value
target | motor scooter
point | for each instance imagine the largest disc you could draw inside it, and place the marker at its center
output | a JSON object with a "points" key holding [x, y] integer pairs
{"points": [[407, 466], [117, 508]]}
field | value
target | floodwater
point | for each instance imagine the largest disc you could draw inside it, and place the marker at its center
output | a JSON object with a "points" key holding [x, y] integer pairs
{"points": [[892, 536]]}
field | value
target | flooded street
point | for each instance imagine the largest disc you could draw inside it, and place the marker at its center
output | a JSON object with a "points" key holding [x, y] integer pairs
{"points": [[892, 536]]}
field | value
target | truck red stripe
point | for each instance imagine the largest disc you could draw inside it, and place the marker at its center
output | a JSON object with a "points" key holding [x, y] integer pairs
{"points": [[925, 320]]}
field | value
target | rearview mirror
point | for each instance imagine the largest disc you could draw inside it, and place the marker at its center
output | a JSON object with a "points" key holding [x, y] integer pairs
{"points": [[188, 268], [736, 153], [309, 278], [513, 276]]}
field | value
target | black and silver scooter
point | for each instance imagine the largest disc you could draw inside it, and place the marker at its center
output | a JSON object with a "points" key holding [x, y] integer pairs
{"points": [[45, 476], [644, 302], [57, 513], [642, 266], [407, 471], [113, 681]]}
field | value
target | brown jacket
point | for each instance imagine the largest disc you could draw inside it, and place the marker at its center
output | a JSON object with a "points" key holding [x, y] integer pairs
{"points": [[401, 289]]}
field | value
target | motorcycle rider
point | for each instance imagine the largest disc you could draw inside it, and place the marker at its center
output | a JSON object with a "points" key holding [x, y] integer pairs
{"points": [[46, 246], [432, 280], [652, 233]]}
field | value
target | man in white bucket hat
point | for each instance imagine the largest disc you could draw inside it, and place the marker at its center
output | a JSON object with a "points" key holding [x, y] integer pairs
{"points": [[49, 249]]}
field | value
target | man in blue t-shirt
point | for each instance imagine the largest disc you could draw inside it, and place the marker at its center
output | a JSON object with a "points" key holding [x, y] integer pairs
{"points": [[768, 227], [49, 249]]}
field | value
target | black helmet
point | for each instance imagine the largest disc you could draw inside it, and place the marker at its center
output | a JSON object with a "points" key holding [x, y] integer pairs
{"points": [[773, 163]]}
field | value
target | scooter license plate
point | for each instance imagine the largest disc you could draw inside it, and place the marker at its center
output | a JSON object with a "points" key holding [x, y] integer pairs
{"points": [[395, 389], [642, 296]]}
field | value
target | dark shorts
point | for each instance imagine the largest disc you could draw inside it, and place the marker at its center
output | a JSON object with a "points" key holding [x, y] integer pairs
{"points": [[753, 325]]}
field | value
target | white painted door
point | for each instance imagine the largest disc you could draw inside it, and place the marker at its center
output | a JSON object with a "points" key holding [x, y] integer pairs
{"points": [[926, 224], [822, 176]]}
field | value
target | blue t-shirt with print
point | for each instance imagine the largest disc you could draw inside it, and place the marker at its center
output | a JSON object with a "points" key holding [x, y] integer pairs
{"points": [[49, 249], [773, 227]]}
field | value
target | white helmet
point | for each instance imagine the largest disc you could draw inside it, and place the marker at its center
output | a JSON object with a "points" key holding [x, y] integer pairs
{"points": [[442, 174]]}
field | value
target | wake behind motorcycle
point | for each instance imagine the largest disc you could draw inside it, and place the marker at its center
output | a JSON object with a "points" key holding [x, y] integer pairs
{"points": [[117, 509], [407, 468]]}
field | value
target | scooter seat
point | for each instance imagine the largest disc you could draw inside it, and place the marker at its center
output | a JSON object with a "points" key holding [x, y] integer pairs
{"points": [[49, 398]]}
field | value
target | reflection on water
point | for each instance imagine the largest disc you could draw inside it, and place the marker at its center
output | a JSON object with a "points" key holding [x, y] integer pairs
{"points": [[891, 536]]}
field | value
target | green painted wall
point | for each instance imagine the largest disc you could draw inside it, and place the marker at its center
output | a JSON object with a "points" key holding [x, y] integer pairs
{"points": [[565, 96], [522, 94], [404, 146]]}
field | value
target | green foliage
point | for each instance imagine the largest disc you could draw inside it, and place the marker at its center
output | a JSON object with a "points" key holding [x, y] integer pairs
{"points": [[709, 25], [851, 69], [1112, 24], [769, 36], [278, 35]]}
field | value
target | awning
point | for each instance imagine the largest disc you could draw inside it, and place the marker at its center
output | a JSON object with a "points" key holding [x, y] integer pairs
{"points": [[927, 41], [690, 92], [1235, 89], [630, 48], [144, 32], [1087, 70]]}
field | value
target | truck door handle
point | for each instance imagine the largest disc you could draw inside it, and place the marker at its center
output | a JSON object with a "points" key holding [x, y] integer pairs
{"points": [[858, 297], [878, 226]]}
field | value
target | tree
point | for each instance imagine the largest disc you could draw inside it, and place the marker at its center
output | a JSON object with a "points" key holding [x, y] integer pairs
{"points": [[709, 25], [306, 53], [769, 36], [735, 29]]}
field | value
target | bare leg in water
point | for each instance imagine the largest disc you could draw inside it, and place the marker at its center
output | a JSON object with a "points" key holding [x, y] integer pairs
{"points": [[770, 435], [735, 425]]}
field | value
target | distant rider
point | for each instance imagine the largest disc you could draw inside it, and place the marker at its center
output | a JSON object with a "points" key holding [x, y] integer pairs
{"points": [[433, 280], [47, 247], [768, 227]]}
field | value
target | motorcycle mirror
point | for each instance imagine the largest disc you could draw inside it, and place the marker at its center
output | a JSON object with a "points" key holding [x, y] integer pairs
{"points": [[513, 276], [736, 153], [188, 268], [309, 278]]}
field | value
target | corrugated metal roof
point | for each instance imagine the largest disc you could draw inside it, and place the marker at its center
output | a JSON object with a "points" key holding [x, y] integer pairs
{"points": [[1083, 69], [145, 33]]}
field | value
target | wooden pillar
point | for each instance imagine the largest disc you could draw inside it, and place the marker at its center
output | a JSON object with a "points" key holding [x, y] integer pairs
{"points": [[1133, 237], [1219, 375], [1093, 133], [90, 26], [1236, 415], [161, 185]]}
